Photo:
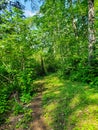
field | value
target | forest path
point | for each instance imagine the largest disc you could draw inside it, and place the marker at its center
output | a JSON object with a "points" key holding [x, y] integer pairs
{"points": [[58, 105], [38, 121]]}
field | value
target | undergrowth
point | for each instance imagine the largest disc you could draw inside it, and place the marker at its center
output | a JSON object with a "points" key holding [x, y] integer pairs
{"points": [[70, 105]]}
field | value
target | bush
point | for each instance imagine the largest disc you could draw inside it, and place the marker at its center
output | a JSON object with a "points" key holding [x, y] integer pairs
{"points": [[18, 108], [25, 98]]}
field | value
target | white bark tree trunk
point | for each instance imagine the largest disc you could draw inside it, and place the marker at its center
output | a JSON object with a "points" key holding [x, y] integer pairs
{"points": [[91, 31]]}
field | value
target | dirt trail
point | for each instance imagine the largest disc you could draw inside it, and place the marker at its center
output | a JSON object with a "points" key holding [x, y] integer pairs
{"points": [[38, 121]]}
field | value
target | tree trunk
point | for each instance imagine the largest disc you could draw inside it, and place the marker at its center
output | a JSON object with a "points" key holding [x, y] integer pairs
{"points": [[43, 69], [91, 32]]}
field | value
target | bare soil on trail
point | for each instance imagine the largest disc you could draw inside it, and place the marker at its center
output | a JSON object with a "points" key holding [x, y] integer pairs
{"points": [[38, 121]]}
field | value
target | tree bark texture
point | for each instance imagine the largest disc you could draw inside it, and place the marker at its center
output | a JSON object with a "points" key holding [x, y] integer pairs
{"points": [[91, 31]]}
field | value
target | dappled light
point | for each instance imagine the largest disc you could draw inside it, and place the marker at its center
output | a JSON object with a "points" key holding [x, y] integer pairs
{"points": [[70, 105], [48, 64]]}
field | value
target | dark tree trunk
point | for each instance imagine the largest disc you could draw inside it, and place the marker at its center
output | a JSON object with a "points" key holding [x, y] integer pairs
{"points": [[43, 69]]}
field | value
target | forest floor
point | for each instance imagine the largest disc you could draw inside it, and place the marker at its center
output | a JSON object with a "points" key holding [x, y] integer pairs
{"points": [[59, 105], [38, 120]]}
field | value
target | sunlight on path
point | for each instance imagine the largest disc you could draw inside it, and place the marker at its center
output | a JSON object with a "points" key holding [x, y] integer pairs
{"points": [[69, 105], [62, 105], [38, 121]]}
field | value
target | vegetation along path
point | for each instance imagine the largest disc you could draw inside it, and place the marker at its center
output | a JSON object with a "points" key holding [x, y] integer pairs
{"points": [[60, 105], [68, 105], [48, 64]]}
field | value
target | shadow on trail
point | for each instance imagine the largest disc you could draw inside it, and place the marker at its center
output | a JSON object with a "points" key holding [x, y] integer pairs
{"points": [[36, 105], [36, 122], [76, 105]]}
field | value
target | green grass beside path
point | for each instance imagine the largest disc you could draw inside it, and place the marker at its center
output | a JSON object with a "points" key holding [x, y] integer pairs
{"points": [[69, 105]]}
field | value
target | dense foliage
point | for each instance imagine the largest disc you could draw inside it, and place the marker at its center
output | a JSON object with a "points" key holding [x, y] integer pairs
{"points": [[68, 36], [17, 63], [54, 40]]}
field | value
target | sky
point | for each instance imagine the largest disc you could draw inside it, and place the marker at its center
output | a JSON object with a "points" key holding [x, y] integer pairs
{"points": [[28, 10]]}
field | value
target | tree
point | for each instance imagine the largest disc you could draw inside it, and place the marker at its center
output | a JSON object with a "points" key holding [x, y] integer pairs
{"points": [[3, 4], [17, 64], [91, 31]]}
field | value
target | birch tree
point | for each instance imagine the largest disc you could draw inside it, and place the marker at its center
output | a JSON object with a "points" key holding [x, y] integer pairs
{"points": [[91, 31]]}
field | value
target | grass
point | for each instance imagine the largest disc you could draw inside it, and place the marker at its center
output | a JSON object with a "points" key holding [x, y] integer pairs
{"points": [[66, 105], [69, 105]]}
